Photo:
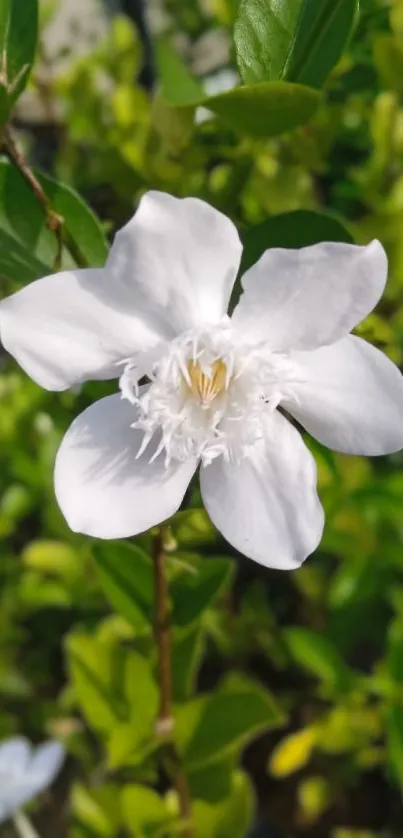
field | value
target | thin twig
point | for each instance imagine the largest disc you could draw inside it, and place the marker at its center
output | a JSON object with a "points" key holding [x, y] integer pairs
{"points": [[165, 722], [54, 221], [24, 826]]}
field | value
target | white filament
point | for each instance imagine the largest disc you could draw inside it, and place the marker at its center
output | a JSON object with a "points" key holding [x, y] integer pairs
{"points": [[230, 422]]}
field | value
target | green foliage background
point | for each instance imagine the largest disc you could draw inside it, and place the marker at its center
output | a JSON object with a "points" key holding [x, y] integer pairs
{"points": [[288, 687]]}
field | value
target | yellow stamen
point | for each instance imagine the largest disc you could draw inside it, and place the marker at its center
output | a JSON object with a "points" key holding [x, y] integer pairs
{"points": [[207, 387]]}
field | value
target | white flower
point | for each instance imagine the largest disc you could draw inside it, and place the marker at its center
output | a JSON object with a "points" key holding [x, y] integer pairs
{"points": [[157, 314], [25, 772]]}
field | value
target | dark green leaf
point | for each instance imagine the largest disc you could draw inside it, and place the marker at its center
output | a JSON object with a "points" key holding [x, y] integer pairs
{"points": [[212, 783], [127, 578], [17, 263], [18, 35], [186, 654], [209, 729], [32, 246], [192, 592], [291, 40], [317, 654]]}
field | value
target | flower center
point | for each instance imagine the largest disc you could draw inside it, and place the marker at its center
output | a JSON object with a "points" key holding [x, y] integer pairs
{"points": [[208, 383], [208, 394]]}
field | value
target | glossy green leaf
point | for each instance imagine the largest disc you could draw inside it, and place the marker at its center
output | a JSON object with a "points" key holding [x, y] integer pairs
{"points": [[300, 228], [186, 655], [317, 654], [192, 592], [265, 110], [211, 728], [28, 248], [259, 110], [127, 577], [291, 40], [18, 36]]}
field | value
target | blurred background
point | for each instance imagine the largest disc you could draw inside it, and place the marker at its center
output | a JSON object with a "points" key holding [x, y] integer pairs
{"points": [[327, 641]]}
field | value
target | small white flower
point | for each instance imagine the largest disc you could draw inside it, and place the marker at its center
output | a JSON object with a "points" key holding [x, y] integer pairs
{"points": [[25, 772], [199, 387]]}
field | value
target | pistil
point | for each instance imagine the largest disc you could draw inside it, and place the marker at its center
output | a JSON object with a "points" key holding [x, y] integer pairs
{"points": [[206, 385]]}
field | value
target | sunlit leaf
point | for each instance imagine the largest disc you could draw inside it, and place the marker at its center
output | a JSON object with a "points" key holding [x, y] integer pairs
{"points": [[294, 40]]}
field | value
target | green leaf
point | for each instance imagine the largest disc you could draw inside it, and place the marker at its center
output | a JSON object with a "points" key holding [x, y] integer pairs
{"points": [[292, 40], [212, 782], [395, 651], [127, 577], [300, 228], [80, 221], [261, 110], [27, 247], [97, 809], [186, 655], [18, 36], [394, 730], [230, 817], [265, 110], [238, 811], [17, 263], [193, 592], [178, 87], [317, 654], [210, 728], [91, 666], [144, 810], [388, 57], [132, 738]]}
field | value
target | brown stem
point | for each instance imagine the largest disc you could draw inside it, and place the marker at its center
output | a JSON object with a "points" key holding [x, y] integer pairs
{"points": [[54, 221], [165, 723]]}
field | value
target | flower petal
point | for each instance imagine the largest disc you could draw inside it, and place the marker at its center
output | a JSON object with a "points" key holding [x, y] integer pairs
{"points": [[267, 506], [182, 257], [15, 755], [74, 326], [350, 398], [102, 489], [302, 299], [46, 764]]}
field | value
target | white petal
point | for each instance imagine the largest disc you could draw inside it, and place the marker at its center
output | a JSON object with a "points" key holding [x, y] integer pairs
{"points": [[182, 257], [46, 764], [15, 754], [74, 326], [267, 506], [101, 488], [350, 398], [302, 299]]}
